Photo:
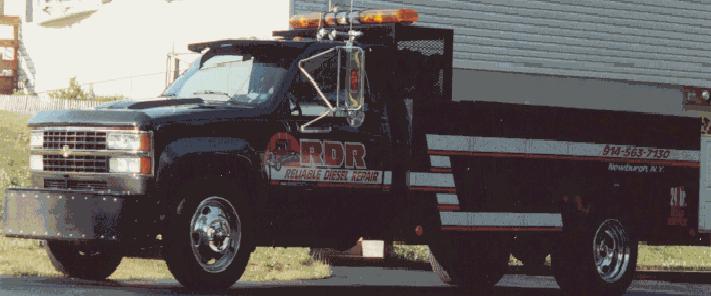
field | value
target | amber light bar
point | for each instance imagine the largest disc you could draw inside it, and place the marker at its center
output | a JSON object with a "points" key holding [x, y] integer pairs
{"points": [[388, 16], [378, 16]]}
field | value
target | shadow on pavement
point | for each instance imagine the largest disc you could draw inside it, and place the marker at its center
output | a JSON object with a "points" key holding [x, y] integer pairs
{"points": [[65, 286]]}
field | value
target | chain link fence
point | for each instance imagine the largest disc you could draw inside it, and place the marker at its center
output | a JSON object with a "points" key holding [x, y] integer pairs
{"points": [[31, 104]]}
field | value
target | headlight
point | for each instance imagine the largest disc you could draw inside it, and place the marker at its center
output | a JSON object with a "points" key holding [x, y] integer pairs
{"points": [[37, 139], [128, 141], [134, 165], [36, 163]]}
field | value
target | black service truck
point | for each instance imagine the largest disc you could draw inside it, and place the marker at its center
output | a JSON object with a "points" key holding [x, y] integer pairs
{"points": [[344, 127]]}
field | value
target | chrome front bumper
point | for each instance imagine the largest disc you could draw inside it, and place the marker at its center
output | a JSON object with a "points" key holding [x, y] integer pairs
{"points": [[68, 214]]}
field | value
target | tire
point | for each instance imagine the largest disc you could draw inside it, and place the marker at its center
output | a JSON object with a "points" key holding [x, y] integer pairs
{"points": [[596, 257], [208, 239], [83, 261], [472, 262]]}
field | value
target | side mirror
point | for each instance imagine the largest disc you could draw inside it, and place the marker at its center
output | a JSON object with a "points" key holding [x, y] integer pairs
{"points": [[353, 66], [355, 85]]}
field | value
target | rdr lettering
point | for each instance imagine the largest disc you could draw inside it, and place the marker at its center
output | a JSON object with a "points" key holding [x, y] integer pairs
{"points": [[332, 154]]}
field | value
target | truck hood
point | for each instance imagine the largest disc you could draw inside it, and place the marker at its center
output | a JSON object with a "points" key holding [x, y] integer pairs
{"points": [[146, 114]]}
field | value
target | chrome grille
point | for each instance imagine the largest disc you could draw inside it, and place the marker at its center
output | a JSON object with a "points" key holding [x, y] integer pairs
{"points": [[89, 164], [75, 140]]}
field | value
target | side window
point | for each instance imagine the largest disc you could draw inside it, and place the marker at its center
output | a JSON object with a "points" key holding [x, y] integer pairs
{"points": [[326, 73], [323, 71]]}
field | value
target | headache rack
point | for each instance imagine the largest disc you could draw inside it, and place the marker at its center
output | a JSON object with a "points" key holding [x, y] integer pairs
{"points": [[423, 55]]}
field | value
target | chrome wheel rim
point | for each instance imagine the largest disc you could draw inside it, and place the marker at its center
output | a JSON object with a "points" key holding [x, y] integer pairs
{"points": [[611, 249], [215, 234]]}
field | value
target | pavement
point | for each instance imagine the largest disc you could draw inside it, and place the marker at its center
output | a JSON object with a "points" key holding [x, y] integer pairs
{"points": [[346, 281]]}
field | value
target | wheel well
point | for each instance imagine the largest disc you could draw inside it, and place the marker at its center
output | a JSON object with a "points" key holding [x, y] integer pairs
{"points": [[598, 198], [202, 170]]}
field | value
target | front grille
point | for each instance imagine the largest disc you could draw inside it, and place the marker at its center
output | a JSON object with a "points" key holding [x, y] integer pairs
{"points": [[75, 184], [89, 164], [75, 140]]}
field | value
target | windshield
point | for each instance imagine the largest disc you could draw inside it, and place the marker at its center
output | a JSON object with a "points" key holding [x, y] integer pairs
{"points": [[236, 78]]}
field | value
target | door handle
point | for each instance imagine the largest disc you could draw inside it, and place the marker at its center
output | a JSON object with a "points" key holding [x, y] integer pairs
{"points": [[315, 129]]}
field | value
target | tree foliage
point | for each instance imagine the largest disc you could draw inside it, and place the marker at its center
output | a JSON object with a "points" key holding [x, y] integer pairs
{"points": [[75, 92]]}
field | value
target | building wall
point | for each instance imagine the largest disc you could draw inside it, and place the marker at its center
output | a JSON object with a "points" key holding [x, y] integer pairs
{"points": [[614, 55], [639, 40], [122, 47], [567, 91]]}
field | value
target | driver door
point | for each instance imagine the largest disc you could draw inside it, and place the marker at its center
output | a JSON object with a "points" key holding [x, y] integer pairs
{"points": [[328, 180]]}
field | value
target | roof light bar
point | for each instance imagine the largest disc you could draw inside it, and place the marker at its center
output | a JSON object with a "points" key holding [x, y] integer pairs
{"points": [[302, 21], [388, 16], [331, 19]]}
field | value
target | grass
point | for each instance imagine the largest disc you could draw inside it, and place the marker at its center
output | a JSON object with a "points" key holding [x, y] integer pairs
{"points": [[20, 257], [676, 257]]}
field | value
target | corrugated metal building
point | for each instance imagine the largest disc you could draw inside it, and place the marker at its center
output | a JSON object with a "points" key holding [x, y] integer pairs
{"points": [[617, 55]]}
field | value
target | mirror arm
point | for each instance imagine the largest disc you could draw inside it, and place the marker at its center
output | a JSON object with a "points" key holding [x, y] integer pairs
{"points": [[311, 79], [309, 123], [318, 89]]}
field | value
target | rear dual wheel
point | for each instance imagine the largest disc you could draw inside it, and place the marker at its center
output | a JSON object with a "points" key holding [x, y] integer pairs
{"points": [[599, 257]]}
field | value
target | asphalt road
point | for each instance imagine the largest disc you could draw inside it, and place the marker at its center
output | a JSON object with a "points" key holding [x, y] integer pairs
{"points": [[346, 281]]}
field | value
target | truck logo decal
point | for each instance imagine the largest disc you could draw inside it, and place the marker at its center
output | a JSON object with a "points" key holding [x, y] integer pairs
{"points": [[282, 150], [66, 151], [326, 162], [332, 154]]}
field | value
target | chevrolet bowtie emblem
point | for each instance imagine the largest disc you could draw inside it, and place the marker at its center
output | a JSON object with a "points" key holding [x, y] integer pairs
{"points": [[66, 151]]}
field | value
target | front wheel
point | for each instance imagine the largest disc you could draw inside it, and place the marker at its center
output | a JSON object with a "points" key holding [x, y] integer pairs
{"points": [[207, 247], [91, 261], [597, 258]]}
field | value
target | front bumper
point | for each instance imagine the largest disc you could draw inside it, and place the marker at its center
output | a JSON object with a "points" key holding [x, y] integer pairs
{"points": [[68, 214]]}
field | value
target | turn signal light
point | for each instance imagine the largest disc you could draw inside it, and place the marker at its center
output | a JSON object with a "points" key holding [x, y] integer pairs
{"points": [[377, 16], [355, 80]]}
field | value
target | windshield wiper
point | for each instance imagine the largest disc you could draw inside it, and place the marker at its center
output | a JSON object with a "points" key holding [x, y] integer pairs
{"points": [[212, 92]]}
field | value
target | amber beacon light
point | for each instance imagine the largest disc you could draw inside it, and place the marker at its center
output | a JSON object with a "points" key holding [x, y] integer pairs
{"points": [[388, 16], [378, 16]]}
